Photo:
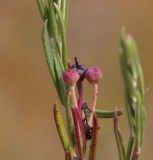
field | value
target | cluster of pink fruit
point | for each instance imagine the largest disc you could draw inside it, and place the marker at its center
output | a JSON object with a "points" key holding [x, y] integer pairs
{"points": [[85, 121]]}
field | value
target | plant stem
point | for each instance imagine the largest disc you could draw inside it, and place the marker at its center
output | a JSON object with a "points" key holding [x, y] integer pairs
{"points": [[94, 101], [73, 96], [94, 140], [80, 99]]}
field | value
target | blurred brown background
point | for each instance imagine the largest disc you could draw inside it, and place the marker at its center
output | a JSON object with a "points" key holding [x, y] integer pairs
{"points": [[27, 129]]}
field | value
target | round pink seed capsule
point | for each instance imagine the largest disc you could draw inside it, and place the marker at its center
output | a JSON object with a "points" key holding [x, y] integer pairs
{"points": [[71, 76], [93, 75]]}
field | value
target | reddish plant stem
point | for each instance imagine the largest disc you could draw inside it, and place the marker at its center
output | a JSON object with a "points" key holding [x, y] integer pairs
{"points": [[67, 156], [77, 135], [78, 115], [135, 154], [81, 97], [83, 137], [93, 145], [115, 119]]}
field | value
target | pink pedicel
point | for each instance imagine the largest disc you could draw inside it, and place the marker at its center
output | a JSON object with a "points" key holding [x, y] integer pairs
{"points": [[93, 75]]}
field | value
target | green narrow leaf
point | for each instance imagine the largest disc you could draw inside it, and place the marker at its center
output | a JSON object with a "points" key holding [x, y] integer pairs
{"points": [[63, 35], [47, 50], [134, 93], [42, 9], [59, 70], [60, 80], [128, 78], [140, 86], [119, 139], [130, 146], [106, 114], [65, 10], [55, 51], [49, 56], [58, 2], [53, 27], [139, 129], [143, 121]]}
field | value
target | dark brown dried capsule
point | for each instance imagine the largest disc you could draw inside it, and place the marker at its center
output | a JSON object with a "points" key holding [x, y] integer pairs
{"points": [[79, 68]]}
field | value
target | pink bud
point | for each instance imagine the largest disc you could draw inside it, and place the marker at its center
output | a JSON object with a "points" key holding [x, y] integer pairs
{"points": [[71, 76], [93, 75]]}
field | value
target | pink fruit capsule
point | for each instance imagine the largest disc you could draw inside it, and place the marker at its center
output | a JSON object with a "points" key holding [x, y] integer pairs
{"points": [[71, 76], [93, 75]]}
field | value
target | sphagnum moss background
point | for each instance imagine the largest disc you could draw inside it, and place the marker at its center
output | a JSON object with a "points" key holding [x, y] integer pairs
{"points": [[27, 127]]}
